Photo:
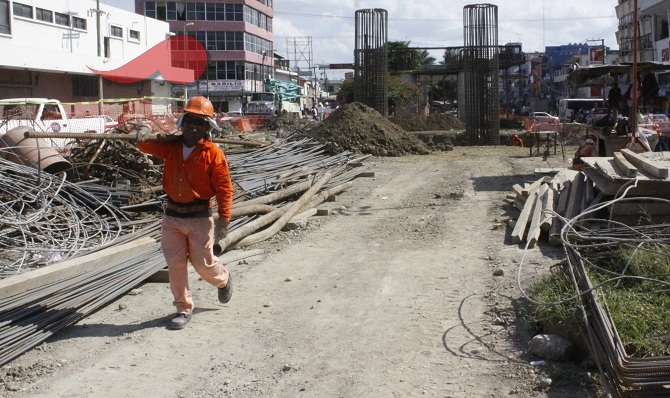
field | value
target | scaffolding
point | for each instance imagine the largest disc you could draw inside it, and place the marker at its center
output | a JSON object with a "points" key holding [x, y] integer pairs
{"points": [[300, 55], [371, 59]]}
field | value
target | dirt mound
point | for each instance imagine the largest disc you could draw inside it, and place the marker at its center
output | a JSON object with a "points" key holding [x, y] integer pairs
{"points": [[227, 129], [361, 129], [287, 122], [432, 122]]}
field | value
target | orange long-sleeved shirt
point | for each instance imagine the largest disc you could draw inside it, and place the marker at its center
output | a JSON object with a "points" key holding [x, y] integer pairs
{"points": [[203, 174]]}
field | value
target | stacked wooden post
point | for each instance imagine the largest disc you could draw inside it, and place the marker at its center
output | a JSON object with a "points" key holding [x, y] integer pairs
{"points": [[539, 201], [545, 203]]}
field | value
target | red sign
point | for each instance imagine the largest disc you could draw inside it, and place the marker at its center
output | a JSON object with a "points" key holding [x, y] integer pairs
{"points": [[597, 54]]}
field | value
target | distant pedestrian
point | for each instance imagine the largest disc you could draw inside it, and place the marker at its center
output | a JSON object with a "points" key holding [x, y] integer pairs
{"points": [[315, 113], [123, 118], [320, 110], [588, 148]]}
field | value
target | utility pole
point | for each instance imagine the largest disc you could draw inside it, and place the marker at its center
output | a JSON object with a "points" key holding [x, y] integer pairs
{"points": [[99, 35], [634, 93]]}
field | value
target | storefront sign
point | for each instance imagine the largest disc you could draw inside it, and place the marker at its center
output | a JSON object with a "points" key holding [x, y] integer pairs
{"points": [[220, 85]]}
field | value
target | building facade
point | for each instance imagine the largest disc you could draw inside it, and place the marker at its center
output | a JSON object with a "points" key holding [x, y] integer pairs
{"points": [[653, 44], [238, 38], [48, 48]]}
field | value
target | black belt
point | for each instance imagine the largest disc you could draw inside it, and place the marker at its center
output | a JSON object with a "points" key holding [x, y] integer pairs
{"points": [[197, 208]]}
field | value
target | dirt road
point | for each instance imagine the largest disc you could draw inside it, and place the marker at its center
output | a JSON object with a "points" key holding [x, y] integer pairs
{"points": [[392, 296]]}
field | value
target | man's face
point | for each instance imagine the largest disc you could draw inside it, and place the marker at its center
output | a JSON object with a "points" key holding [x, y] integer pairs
{"points": [[194, 128]]}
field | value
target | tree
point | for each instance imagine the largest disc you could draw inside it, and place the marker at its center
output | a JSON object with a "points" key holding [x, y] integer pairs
{"points": [[424, 58], [400, 94], [402, 57]]}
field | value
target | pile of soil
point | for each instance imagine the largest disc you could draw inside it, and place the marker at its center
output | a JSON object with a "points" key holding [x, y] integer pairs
{"points": [[226, 129], [360, 129], [432, 122], [289, 122]]}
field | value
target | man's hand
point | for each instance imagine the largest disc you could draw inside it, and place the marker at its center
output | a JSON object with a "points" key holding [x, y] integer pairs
{"points": [[143, 132], [220, 233]]}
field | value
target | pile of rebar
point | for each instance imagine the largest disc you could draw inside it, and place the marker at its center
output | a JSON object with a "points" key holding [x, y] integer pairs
{"points": [[45, 219], [29, 318], [623, 375]]}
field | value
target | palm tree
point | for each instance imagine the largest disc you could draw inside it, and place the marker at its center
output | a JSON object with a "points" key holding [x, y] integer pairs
{"points": [[423, 58]]}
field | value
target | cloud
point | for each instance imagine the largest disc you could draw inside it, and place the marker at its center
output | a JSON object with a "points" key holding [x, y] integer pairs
{"points": [[439, 23]]}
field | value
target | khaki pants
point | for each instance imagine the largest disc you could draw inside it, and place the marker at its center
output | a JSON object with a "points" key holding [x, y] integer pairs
{"points": [[190, 239]]}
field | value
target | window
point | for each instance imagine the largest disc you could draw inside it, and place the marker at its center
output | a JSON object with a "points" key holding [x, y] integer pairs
{"points": [[233, 12], [227, 70], [85, 86], [150, 9], [256, 44], [62, 19], [220, 40], [22, 10], [44, 15], [116, 31], [171, 11], [107, 48], [156, 10], [196, 12], [257, 18], [4, 17], [134, 34], [78, 23], [661, 29]]}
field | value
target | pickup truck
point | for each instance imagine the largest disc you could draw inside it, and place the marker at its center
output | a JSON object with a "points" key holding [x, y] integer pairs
{"points": [[46, 115]]}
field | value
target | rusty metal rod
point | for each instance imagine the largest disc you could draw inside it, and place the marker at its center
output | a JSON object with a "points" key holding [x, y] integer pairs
{"points": [[132, 137]]}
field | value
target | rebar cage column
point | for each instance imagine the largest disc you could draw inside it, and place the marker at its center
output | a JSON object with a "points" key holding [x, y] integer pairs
{"points": [[371, 59], [481, 82]]}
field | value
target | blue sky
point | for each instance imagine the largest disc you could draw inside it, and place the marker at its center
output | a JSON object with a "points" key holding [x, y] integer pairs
{"points": [[436, 23]]}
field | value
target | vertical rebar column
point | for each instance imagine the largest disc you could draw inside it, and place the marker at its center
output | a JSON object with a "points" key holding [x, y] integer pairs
{"points": [[371, 59], [481, 64]]}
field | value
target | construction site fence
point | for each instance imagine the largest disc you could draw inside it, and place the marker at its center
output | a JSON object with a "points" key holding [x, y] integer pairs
{"points": [[160, 112], [114, 107]]}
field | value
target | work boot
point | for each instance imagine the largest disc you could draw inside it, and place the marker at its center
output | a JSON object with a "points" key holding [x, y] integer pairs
{"points": [[180, 321], [226, 292]]}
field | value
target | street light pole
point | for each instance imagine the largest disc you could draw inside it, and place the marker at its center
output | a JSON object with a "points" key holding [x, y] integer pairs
{"points": [[185, 65], [98, 34]]}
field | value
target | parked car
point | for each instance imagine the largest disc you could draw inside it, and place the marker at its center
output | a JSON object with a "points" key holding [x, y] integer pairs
{"points": [[600, 117], [658, 121], [544, 117], [109, 122], [582, 115]]}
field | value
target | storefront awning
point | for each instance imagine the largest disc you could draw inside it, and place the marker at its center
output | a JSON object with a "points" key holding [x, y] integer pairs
{"points": [[583, 75]]}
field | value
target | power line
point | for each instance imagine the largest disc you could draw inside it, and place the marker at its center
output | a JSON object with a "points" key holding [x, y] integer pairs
{"points": [[442, 20]]}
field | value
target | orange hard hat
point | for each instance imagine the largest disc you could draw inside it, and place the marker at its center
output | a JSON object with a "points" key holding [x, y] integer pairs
{"points": [[200, 106]]}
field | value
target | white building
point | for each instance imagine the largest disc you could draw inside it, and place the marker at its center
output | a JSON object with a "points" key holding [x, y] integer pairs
{"points": [[48, 48]]}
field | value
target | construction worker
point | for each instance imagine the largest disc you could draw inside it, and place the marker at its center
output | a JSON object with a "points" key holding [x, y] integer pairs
{"points": [[195, 172], [123, 117], [516, 141], [586, 149]]}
